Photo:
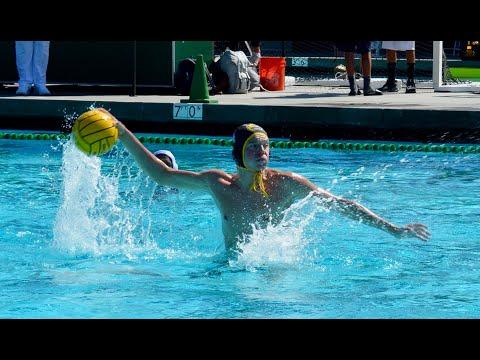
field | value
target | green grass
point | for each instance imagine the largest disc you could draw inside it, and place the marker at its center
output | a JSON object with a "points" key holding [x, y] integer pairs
{"points": [[466, 73]]}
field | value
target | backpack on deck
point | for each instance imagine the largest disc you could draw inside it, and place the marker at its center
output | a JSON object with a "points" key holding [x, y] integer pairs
{"points": [[235, 64]]}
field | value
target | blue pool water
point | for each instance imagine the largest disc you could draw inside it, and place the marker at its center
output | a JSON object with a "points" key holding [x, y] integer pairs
{"points": [[93, 238]]}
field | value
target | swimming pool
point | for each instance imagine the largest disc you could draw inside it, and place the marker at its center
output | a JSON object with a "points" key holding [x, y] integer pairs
{"points": [[92, 238]]}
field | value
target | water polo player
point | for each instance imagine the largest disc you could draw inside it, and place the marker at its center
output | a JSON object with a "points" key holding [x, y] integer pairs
{"points": [[255, 194]]}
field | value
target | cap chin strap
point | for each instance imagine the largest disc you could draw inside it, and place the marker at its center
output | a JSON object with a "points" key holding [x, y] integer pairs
{"points": [[258, 184]]}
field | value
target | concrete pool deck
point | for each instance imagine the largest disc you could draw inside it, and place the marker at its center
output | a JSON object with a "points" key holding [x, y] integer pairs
{"points": [[298, 112]]}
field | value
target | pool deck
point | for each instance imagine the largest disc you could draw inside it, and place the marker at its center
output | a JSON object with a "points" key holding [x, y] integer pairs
{"points": [[298, 112]]}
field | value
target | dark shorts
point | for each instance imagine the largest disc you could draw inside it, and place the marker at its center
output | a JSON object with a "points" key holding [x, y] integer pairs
{"points": [[361, 47]]}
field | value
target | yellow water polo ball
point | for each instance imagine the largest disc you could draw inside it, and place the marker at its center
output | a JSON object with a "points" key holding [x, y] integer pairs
{"points": [[95, 132]]}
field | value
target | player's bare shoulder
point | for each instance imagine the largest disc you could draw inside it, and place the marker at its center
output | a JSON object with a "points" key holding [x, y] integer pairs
{"points": [[217, 178], [282, 176], [288, 182]]}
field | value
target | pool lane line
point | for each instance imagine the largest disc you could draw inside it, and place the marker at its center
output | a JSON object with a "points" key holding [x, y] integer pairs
{"points": [[325, 145]]}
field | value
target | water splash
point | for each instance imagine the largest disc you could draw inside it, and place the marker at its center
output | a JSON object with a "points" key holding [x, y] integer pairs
{"points": [[92, 217], [285, 243]]}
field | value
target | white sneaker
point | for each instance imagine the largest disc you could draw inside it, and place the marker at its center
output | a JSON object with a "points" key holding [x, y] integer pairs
{"points": [[24, 89], [41, 90]]}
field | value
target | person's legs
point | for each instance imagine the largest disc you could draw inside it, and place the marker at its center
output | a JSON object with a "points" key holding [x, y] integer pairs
{"points": [[367, 71], [367, 64], [348, 47], [391, 56], [364, 49], [410, 72], [40, 63], [391, 84], [24, 58], [350, 65]]}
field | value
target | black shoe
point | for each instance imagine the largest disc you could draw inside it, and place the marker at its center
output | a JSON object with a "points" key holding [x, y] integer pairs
{"points": [[370, 92], [410, 87], [355, 92], [389, 87]]}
